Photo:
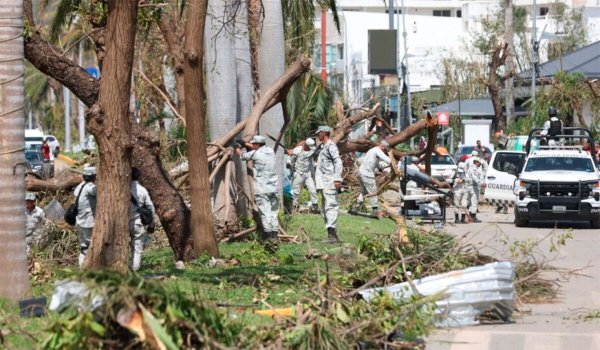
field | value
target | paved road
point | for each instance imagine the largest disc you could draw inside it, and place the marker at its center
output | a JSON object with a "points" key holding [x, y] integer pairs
{"points": [[558, 325]]}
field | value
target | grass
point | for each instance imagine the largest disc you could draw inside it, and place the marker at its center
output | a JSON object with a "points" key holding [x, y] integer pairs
{"points": [[258, 280], [259, 275]]}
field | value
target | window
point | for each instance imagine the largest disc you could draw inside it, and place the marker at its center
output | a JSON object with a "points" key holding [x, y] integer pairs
{"points": [[340, 52], [458, 13], [560, 163], [543, 11], [442, 13]]}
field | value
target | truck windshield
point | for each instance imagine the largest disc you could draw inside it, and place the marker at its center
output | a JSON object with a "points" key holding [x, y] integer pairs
{"points": [[560, 163]]}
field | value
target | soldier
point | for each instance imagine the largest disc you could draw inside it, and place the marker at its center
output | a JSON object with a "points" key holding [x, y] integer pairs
{"points": [[552, 127], [85, 193], [137, 230], [473, 183], [265, 185], [460, 194], [303, 166], [35, 220], [328, 179], [367, 177]]}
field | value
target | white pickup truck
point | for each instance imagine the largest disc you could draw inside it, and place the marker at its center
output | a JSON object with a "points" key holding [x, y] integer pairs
{"points": [[560, 183]]}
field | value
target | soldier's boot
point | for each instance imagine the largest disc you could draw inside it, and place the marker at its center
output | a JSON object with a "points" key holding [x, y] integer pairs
{"points": [[375, 213], [332, 236], [474, 218], [505, 210], [315, 209], [462, 219], [355, 210], [498, 209], [456, 221]]}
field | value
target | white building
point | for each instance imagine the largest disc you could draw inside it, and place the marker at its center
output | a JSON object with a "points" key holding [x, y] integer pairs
{"points": [[434, 29]]}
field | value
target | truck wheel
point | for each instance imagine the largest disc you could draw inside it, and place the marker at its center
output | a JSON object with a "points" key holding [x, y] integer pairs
{"points": [[519, 221], [595, 223]]}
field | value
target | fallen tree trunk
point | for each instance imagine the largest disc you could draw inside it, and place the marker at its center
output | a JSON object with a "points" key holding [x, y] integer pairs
{"points": [[52, 185]]}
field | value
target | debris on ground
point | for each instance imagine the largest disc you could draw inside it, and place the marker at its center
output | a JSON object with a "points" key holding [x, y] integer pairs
{"points": [[466, 294]]}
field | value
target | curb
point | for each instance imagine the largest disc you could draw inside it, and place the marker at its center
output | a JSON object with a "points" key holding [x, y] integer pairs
{"points": [[66, 159]]}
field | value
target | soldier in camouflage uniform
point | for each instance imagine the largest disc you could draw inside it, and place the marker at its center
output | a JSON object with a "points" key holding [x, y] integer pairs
{"points": [[473, 183], [35, 220], [302, 157], [328, 179], [366, 175], [265, 185], [460, 194], [86, 210], [137, 230]]}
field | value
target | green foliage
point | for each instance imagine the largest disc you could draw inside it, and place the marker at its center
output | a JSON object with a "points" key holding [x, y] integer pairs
{"points": [[299, 26], [177, 145], [566, 93], [64, 15], [308, 103], [188, 323]]}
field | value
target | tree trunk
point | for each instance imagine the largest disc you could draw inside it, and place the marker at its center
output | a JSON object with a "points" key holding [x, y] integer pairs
{"points": [[245, 94], [220, 56], [109, 122], [170, 207], [271, 64], [14, 278], [508, 38], [201, 220]]}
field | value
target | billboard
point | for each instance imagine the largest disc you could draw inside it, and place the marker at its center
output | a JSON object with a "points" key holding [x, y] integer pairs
{"points": [[383, 51]]}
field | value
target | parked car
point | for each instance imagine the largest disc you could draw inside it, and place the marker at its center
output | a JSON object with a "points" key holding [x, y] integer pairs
{"points": [[53, 143], [35, 161], [464, 152], [443, 167]]}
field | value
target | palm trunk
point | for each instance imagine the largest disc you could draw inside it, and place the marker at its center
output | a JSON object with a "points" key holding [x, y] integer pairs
{"points": [[110, 124], [14, 279], [219, 52], [201, 220], [271, 64]]}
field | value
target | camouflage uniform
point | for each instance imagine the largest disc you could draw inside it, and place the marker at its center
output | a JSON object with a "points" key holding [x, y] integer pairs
{"points": [[303, 166], [460, 192], [265, 188], [329, 171], [473, 184], [137, 230], [366, 174], [86, 210], [35, 219]]}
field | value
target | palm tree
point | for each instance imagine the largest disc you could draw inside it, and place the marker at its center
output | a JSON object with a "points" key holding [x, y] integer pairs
{"points": [[14, 282], [271, 64]]}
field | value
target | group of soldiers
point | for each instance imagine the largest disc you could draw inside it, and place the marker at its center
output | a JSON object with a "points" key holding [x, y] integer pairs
{"points": [[85, 197], [327, 181], [467, 188]]}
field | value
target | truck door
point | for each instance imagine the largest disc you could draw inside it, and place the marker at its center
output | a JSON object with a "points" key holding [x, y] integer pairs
{"points": [[501, 175]]}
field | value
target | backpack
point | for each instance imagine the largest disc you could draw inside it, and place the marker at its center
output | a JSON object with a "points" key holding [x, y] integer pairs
{"points": [[555, 127], [146, 214], [71, 212]]}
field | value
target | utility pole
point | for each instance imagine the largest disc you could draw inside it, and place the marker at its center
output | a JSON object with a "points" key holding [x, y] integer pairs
{"points": [[509, 63], [534, 58], [324, 46], [81, 106], [405, 71], [67, 105]]}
